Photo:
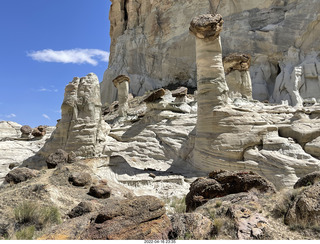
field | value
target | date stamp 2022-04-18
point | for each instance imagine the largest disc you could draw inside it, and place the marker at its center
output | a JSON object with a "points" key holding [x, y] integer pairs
{"points": [[160, 241]]}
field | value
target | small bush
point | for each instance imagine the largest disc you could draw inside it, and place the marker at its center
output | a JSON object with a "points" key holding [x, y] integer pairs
{"points": [[178, 204], [188, 236], [211, 213], [25, 213], [218, 223], [218, 204], [31, 213], [26, 233], [284, 202]]}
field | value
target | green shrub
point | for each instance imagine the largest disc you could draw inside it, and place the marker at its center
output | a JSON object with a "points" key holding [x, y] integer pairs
{"points": [[218, 204], [31, 213], [26, 233], [26, 213], [285, 200], [218, 223], [178, 204]]}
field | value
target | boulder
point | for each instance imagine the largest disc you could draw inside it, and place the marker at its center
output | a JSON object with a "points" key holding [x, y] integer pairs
{"points": [[305, 210], [39, 131], [222, 183], [80, 178], [154, 96], [100, 191], [72, 157], [191, 225], [81, 209], [239, 216], [56, 158], [303, 130], [308, 180], [180, 92], [313, 147], [26, 130], [138, 218], [18, 175]]}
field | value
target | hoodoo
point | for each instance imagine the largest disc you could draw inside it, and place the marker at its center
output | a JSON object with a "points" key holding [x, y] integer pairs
{"points": [[122, 83], [212, 86]]}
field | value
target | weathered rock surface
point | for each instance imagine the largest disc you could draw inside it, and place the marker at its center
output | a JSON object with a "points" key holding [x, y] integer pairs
{"points": [[222, 183], [9, 129], [14, 149], [81, 209], [193, 226], [81, 128], [239, 216], [313, 147], [139, 218], [56, 158], [18, 175], [305, 210], [160, 32], [308, 180]]}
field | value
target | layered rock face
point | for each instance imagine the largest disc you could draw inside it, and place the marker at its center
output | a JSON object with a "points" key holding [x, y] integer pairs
{"points": [[151, 44], [81, 128]]}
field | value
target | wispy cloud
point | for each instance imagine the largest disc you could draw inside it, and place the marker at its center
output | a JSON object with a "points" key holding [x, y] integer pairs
{"points": [[46, 116], [47, 90], [75, 56], [10, 116]]}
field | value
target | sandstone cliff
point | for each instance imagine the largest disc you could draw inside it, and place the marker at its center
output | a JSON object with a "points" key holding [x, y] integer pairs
{"points": [[152, 45]]}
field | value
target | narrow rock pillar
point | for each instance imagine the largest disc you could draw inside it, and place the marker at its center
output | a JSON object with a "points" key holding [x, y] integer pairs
{"points": [[236, 67], [122, 83], [211, 83]]}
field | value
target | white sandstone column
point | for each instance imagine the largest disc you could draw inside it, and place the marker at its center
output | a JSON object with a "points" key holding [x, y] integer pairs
{"points": [[122, 83], [212, 86]]}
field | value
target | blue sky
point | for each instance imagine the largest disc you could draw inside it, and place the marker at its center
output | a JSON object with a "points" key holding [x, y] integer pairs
{"points": [[43, 45]]}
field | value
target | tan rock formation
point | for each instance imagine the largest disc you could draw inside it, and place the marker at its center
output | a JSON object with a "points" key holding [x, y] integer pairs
{"points": [[212, 87], [160, 53], [122, 83], [299, 82], [81, 128], [236, 67]]}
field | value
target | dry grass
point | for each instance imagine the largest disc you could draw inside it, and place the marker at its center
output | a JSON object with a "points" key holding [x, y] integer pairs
{"points": [[31, 217]]}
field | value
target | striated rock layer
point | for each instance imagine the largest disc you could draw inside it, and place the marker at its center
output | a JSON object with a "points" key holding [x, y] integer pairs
{"points": [[150, 43], [81, 127]]}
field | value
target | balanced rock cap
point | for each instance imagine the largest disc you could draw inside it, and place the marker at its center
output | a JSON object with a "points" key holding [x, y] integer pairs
{"points": [[206, 26], [119, 79], [236, 61]]}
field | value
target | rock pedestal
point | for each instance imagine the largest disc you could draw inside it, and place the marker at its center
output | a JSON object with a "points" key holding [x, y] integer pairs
{"points": [[212, 86], [236, 67], [122, 83]]}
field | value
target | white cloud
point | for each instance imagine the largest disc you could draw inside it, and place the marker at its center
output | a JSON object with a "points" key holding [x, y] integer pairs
{"points": [[47, 90], [46, 116], [9, 116], [75, 56]]}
